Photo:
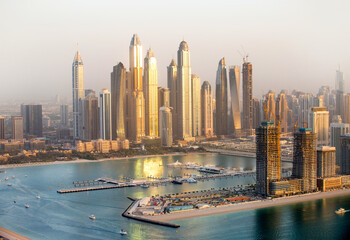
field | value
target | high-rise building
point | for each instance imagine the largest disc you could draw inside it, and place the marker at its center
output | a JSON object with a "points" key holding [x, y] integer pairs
{"points": [[305, 158], [17, 127], [268, 156], [339, 81], [64, 115], [270, 106], [234, 76], [325, 162], [337, 130], [282, 112], [207, 110], [319, 123], [89, 112], [256, 112], [196, 106], [165, 123], [118, 98], [137, 106], [340, 104], [32, 120], [105, 115], [247, 83], [305, 103], [78, 91], [163, 97], [221, 99], [150, 89], [184, 96], [346, 118], [345, 154], [2, 127], [174, 93]]}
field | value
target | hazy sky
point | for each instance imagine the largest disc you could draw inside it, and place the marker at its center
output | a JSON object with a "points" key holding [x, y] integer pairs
{"points": [[291, 44]]}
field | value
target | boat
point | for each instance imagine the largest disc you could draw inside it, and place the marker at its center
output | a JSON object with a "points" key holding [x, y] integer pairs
{"points": [[9, 184], [6, 178], [144, 185], [212, 170], [123, 232], [340, 211], [37, 196], [26, 205], [176, 181], [13, 177], [14, 201], [92, 217], [175, 164], [191, 180]]}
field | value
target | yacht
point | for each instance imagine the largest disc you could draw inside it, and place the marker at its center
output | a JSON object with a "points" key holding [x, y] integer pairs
{"points": [[123, 232], [26, 205], [92, 217], [9, 184], [340, 211], [6, 178], [144, 185], [212, 170], [37, 196], [175, 181], [191, 180], [13, 177]]}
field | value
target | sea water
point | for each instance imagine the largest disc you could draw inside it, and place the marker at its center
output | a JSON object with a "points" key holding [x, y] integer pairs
{"points": [[66, 216]]}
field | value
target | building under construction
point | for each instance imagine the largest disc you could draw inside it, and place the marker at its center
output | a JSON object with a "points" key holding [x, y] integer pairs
{"points": [[268, 157], [305, 159]]}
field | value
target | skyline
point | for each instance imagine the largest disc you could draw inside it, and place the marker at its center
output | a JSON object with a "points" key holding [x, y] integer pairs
{"points": [[306, 46]]}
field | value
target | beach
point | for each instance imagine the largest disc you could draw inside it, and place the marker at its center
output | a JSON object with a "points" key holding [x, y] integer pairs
{"points": [[32, 164], [248, 206]]}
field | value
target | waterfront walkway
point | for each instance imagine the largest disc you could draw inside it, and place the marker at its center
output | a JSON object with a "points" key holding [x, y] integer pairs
{"points": [[7, 234]]}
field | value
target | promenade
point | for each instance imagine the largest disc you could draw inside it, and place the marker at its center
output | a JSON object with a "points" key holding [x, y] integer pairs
{"points": [[7, 234]]}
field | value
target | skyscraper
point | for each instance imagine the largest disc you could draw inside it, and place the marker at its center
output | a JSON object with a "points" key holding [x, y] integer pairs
{"points": [[32, 120], [118, 98], [184, 96], [234, 76], [221, 98], [247, 96], [163, 97], [346, 118], [78, 91], [172, 85], [270, 104], [319, 123], [2, 127], [282, 112], [339, 81], [137, 106], [105, 115], [256, 112], [89, 112], [325, 161], [305, 158], [165, 123], [150, 88], [345, 154], [17, 127], [337, 130], [196, 106], [64, 115], [207, 110], [268, 156]]}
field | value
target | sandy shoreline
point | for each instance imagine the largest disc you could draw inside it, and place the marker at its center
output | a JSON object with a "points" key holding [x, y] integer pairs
{"points": [[249, 206], [98, 160]]}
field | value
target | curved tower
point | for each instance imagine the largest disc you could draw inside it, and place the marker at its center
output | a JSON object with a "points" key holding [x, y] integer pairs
{"points": [[234, 76]]}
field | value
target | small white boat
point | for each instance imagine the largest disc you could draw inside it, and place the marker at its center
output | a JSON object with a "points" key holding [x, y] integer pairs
{"points": [[340, 211], [9, 184], [6, 178], [144, 185], [123, 232], [13, 177], [37, 196], [26, 205], [92, 217], [191, 180]]}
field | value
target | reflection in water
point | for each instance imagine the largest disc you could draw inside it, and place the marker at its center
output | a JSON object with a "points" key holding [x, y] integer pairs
{"points": [[153, 167], [267, 221]]}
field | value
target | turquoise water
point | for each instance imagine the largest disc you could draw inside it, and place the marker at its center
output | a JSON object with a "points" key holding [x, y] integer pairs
{"points": [[65, 216]]}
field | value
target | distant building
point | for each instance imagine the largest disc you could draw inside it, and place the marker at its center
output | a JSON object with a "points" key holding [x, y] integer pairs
{"points": [[256, 112], [268, 157], [305, 158], [105, 115], [64, 115], [325, 162], [118, 101], [165, 123], [32, 120], [150, 89], [345, 154], [247, 83], [270, 105], [347, 108], [337, 130], [196, 106], [282, 112], [234, 76], [163, 97], [78, 91], [89, 112], [221, 99], [319, 123], [174, 93], [2, 127], [17, 127], [207, 110]]}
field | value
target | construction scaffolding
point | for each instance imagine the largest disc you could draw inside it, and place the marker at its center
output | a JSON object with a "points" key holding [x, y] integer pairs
{"points": [[268, 156], [305, 159]]}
